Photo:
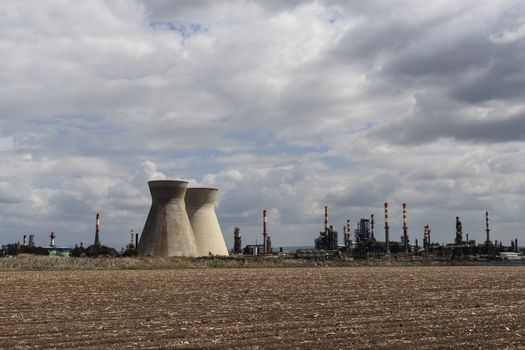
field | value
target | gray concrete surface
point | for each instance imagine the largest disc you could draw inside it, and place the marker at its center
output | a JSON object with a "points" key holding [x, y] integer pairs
{"points": [[200, 205], [167, 231]]}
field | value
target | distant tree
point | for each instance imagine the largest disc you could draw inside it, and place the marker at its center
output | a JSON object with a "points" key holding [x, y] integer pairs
{"points": [[100, 250], [15, 249], [10, 249], [78, 251], [34, 250], [129, 251]]}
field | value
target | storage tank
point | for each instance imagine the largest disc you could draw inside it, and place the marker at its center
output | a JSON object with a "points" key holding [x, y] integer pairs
{"points": [[200, 205], [167, 231]]}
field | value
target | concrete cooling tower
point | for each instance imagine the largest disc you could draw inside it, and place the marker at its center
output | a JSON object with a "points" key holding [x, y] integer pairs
{"points": [[200, 205], [167, 231]]}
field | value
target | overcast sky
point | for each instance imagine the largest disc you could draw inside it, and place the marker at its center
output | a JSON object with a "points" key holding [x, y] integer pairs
{"points": [[284, 105]]}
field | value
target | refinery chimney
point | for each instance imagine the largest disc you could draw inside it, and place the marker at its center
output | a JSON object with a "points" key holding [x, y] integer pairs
{"points": [[265, 234], [487, 229], [387, 241], [200, 206], [326, 220], [97, 230], [167, 231], [405, 228]]}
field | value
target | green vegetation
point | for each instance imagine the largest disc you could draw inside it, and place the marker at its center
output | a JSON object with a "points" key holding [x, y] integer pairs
{"points": [[29, 262]]}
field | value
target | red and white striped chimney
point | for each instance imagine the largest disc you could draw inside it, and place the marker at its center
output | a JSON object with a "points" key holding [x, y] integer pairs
{"points": [[98, 223], [386, 215], [404, 216]]}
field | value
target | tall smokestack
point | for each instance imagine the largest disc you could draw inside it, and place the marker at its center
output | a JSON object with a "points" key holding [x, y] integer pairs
{"points": [[326, 220], [24, 240], [487, 229], [136, 241], [265, 220], [516, 245], [459, 231], [265, 233], [97, 230], [405, 228], [52, 236], [387, 241], [372, 235]]}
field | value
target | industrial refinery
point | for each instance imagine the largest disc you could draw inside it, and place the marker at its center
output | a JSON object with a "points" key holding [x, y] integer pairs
{"points": [[366, 246], [182, 222]]}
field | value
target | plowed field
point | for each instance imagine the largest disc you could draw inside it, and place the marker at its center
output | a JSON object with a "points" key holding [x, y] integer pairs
{"points": [[304, 308]]}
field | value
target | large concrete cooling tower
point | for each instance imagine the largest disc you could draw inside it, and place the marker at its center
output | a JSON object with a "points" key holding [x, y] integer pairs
{"points": [[200, 205], [167, 231]]}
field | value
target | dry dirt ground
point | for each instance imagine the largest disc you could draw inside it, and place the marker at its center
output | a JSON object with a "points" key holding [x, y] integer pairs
{"points": [[304, 308]]}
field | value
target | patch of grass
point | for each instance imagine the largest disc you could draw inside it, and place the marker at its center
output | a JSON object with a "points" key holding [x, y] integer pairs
{"points": [[28, 262]]}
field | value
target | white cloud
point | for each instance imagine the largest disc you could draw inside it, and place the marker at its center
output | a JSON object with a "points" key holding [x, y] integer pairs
{"points": [[284, 105]]}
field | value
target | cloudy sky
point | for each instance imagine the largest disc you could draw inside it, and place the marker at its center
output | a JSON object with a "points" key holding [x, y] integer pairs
{"points": [[284, 105]]}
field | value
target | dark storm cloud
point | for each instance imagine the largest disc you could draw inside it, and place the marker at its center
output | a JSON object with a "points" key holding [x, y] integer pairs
{"points": [[435, 118], [171, 9], [503, 78]]}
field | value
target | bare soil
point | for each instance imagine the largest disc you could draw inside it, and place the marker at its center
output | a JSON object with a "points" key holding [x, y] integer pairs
{"points": [[268, 308]]}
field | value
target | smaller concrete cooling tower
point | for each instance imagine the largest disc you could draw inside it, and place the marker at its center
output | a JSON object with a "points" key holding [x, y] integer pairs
{"points": [[167, 231], [200, 205]]}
